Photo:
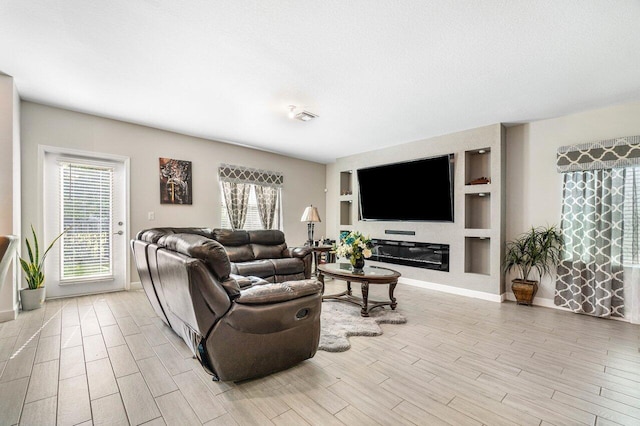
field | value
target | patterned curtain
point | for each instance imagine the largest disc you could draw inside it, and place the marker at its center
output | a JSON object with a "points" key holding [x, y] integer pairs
{"points": [[236, 196], [632, 214], [267, 197], [236, 183], [590, 275]]}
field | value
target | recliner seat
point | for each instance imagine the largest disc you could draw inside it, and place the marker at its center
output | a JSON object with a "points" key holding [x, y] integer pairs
{"points": [[239, 327]]}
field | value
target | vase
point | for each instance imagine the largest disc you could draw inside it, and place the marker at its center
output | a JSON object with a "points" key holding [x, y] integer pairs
{"points": [[357, 264], [524, 291], [32, 298]]}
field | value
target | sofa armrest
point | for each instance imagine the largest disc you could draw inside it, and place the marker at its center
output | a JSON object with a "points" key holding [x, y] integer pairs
{"points": [[299, 252], [245, 282], [278, 292], [232, 287]]}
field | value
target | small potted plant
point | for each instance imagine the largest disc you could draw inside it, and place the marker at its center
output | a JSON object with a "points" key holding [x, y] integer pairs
{"points": [[32, 297], [535, 252], [355, 247]]}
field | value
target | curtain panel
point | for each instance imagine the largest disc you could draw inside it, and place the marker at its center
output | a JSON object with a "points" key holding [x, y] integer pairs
{"points": [[591, 273], [236, 196], [267, 197]]}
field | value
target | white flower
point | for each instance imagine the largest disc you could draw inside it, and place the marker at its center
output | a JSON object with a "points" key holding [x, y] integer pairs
{"points": [[366, 253]]}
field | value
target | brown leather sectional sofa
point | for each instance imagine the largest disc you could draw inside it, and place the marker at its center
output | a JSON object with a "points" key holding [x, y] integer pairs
{"points": [[242, 301]]}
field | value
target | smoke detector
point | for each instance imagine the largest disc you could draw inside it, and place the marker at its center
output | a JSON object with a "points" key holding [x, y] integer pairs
{"points": [[299, 113]]}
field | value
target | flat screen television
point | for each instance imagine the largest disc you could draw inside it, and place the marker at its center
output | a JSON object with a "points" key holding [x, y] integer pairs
{"points": [[419, 190]]}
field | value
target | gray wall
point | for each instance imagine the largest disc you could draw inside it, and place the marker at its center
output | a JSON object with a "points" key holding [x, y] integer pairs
{"points": [[304, 181]]}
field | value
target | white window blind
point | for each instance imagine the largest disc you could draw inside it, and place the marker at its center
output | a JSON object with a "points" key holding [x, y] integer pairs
{"points": [[252, 221], [86, 210], [631, 231]]}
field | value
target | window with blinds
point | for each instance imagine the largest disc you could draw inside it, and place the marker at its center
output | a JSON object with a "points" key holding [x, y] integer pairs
{"points": [[631, 231], [252, 221], [86, 212]]}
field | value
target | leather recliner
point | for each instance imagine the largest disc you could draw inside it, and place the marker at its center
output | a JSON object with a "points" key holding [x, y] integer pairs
{"points": [[238, 327]]}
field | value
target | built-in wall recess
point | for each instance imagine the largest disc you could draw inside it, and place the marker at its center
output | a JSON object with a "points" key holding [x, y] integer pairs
{"points": [[478, 166], [346, 184], [477, 211], [345, 212], [477, 255]]}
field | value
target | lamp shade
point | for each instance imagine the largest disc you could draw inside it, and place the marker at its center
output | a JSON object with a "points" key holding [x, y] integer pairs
{"points": [[310, 215]]}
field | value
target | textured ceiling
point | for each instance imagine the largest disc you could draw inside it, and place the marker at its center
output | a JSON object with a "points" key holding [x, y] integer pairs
{"points": [[378, 73]]}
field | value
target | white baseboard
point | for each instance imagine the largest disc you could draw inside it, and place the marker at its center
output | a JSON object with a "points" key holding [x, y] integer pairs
{"points": [[9, 315], [453, 290], [135, 285]]}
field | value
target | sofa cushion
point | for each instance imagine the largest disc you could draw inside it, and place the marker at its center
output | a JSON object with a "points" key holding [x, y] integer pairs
{"points": [[266, 237], [240, 253], [286, 266], [228, 237], [288, 277], [261, 251], [280, 292], [209, 251], [259, 268]]}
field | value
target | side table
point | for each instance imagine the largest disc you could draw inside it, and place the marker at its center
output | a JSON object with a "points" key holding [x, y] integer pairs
{"points": [[317, 252]]}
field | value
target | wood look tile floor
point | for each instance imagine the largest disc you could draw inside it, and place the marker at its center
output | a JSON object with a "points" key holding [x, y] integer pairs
{"points": [[107, 359]]}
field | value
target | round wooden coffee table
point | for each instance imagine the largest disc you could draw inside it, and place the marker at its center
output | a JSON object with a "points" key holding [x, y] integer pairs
{"points": [[370, 275]]}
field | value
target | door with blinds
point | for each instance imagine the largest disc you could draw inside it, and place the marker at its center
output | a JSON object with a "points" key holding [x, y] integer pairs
{"points": [[85, 197]]}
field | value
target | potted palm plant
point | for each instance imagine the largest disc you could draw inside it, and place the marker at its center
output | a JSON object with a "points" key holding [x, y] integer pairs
{"points": [[533, 253], [32, 297]]}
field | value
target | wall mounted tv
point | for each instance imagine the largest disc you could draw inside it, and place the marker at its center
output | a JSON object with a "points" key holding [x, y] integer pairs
{"points": [[417, 191]]}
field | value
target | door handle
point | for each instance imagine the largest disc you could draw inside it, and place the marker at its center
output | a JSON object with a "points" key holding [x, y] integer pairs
{"points": [[118, 233]]}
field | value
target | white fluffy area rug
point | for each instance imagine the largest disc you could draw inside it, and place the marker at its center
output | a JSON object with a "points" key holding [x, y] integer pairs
{"points": [[339, 320]]}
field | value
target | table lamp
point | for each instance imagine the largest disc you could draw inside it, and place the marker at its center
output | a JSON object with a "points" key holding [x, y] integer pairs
{"points": [[310, 216]]}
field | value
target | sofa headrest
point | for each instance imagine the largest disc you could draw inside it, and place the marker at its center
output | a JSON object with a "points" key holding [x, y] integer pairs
{"points": [[269, 237], [154, 234], [211, 252], [231, 238]]}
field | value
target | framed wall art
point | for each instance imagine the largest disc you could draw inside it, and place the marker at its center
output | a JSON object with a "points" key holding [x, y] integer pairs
{"points": [[175, 181]]}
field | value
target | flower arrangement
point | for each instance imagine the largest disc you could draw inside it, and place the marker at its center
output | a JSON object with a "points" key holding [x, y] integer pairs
{"points": [[354, 246]]}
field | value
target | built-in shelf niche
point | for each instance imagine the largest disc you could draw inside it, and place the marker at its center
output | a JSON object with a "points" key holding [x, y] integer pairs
{"points": [[345, 212], [345, 183], [477, 211], [477, 165], [477, 259]]}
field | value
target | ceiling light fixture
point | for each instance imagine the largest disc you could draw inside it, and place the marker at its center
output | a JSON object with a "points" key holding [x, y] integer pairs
{"points": [[299, 113]]}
